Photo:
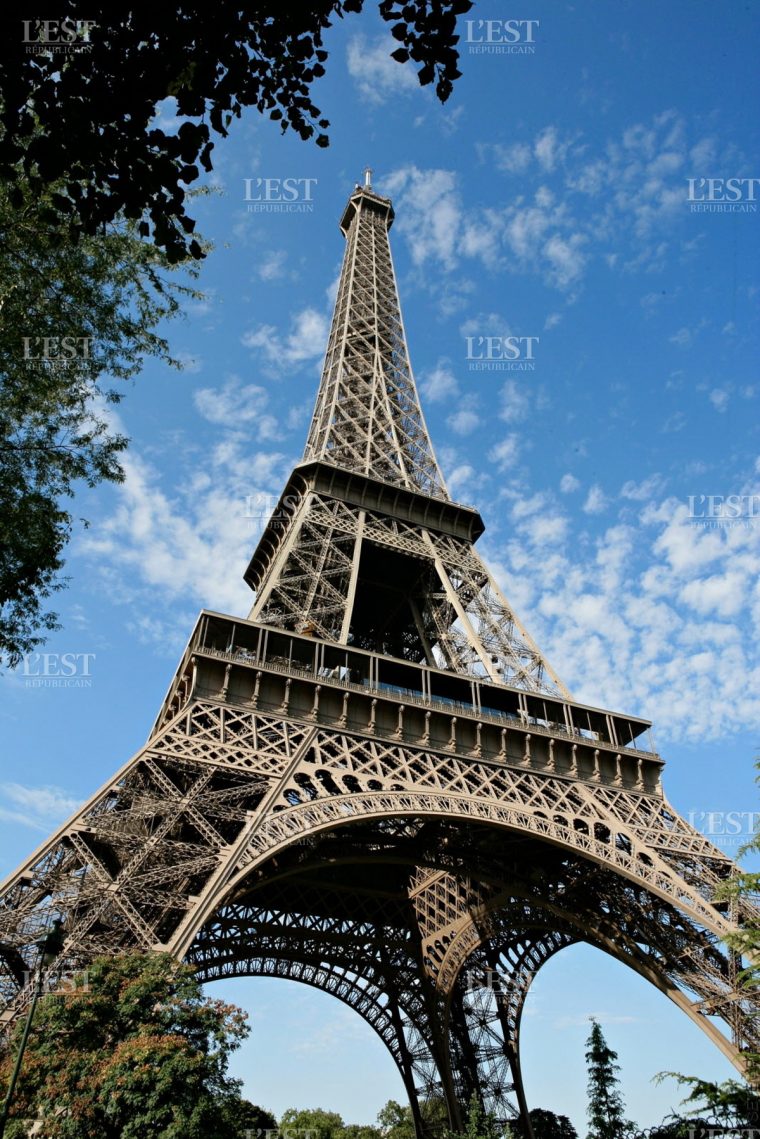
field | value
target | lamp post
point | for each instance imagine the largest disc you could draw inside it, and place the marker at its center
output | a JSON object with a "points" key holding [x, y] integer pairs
{"points": [[49, 948]]}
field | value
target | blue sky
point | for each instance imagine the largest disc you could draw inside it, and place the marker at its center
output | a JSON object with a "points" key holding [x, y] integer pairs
{"points": [[548, 199]]}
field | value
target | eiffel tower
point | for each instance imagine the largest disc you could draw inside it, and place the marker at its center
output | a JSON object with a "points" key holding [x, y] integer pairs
{"points": [[375, 784]]}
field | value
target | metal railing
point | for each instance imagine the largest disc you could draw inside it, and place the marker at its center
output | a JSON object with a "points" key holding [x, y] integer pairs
{"points": [[410, 696]]}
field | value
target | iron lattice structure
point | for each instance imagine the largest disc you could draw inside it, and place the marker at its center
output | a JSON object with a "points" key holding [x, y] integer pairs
{"points": [[375, 784]]}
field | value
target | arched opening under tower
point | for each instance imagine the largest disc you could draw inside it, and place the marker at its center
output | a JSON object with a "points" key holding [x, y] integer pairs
{"points": [[400, 914], [308, 1049], [649, 1033]]}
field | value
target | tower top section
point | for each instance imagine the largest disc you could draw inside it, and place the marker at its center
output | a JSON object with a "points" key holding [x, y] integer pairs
{"points": [[365, 197], [367, 418]]}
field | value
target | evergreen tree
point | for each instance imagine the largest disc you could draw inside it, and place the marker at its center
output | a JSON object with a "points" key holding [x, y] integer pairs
{"points": [[605, 1103]]}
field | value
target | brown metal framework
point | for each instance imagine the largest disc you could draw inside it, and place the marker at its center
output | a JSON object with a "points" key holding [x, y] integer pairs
{"points": [[375, 784]]}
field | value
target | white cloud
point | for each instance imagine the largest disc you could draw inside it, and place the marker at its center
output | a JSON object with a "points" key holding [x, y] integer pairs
{"points": [[37, 807], [429, 213], [639, 492], [272, 265], [719, 399], [682, 338], [568, 483], [566, 261], [513, 159], [596, 500], [377, 76], [188, 543], [504, 454], [548, 150], [720, 594], [657, 617], [439, 384], [463, 422], [463, 482], [306, 340], [634, 184], [236, 403], [515, 402]]}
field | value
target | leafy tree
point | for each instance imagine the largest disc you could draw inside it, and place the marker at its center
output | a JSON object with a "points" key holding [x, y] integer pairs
{"points": [[479, 1125], [95, 103], [70, 316], [319, 1124], [730, 1104], [136, 1052], [248, 1120], [360, 1131], [396, 1121], [605, 1104], [678, 1127], [545, 1125]]}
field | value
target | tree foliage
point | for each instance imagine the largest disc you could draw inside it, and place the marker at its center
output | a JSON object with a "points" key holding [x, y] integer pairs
{"points": [[319, 1124], [732, 1104], [478, 1125], [545, 1125], [397, 1122], [249, 1120], [135, 1052], [605, 1103], [95, 101], [360, 1131], [71, 316]]}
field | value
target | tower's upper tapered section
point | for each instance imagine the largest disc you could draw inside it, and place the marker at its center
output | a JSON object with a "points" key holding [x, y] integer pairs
{"points": [[368, 418], [366, 548]]}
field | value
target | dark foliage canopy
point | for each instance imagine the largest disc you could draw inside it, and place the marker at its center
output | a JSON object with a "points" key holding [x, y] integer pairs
{"points": [[91, 79]]}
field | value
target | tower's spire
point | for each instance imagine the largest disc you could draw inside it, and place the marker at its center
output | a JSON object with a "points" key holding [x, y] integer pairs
{"points": [[367, 177], [368, 418]]}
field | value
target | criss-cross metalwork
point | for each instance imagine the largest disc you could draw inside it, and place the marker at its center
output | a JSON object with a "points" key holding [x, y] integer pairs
{"points": [[375, 784]]}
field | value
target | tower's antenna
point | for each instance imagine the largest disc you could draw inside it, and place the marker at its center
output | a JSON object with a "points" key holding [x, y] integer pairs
{"points": [[367, 177]]}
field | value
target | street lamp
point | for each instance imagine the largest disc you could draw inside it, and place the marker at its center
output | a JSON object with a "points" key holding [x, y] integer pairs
{"points": [[50, 946]]}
